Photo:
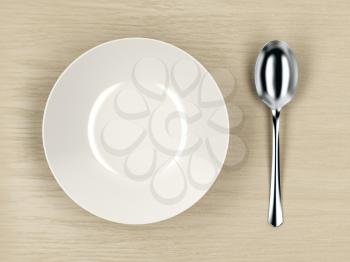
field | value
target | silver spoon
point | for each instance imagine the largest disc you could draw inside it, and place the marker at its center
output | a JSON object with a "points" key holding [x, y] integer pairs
{"points": [[276, 77]]}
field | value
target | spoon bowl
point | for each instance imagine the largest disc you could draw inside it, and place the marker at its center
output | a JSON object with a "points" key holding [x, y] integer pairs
{"points": [[276, 74]]}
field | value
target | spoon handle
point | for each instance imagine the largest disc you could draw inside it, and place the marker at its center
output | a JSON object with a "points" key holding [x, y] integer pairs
{"points": [[275, 207]]}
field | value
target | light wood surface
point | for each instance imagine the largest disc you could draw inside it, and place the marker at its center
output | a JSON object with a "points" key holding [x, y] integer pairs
{"points": [[38, 222]]}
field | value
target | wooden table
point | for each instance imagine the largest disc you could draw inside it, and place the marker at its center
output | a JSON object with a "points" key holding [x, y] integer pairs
{"points": [[38, 222]]}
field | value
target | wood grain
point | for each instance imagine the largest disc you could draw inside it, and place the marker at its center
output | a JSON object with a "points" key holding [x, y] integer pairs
{"points": [[40, 223]]}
